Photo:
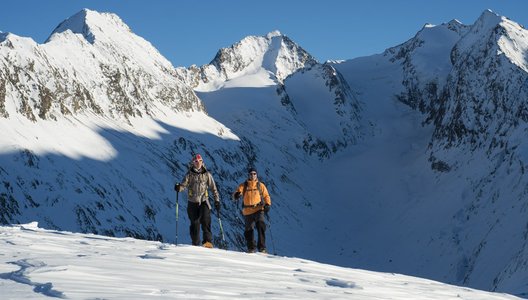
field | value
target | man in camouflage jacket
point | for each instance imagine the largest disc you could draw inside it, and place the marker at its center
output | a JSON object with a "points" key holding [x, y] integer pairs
{"points": [[198, 181]]}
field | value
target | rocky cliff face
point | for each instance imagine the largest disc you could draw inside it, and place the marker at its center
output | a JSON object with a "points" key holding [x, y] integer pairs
{"points": [[482, 113], [485, 95]]}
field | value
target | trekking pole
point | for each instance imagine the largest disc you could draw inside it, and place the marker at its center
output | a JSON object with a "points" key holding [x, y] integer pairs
{"points": [[271, 235], [221, 228], [177, 213]]}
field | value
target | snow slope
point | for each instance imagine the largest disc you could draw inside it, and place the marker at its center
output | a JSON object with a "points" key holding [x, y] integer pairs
{"points": [[42, 264]]}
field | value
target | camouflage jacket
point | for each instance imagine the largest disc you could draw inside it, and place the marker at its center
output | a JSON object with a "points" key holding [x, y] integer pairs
{"points": [[197, 183]]}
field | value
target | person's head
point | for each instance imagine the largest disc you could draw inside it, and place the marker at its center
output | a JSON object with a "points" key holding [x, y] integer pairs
{"points": [[197, 161], [252, 173]]}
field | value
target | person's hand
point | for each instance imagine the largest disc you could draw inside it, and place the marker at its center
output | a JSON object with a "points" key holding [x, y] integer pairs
{"points": [[237, 195], [217, 206], [178, 187], [266, 208]]}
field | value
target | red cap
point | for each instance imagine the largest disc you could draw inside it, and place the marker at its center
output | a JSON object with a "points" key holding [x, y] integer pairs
{"points": [[197, 157]]}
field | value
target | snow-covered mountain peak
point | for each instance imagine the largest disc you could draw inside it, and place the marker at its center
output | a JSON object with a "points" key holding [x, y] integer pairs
{"points": [[92, 25], [275, 56], [426, 60], [274, 52], [488, 16], [440, 37], [456, 26], [495, 34], [454, 22], [487, 21], [91, 62], [453, 25], [434, 32], [13, 39], [273, 34], [108, 33]]}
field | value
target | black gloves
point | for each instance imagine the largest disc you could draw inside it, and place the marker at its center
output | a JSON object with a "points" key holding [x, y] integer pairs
{"points": [[217, 206], [266, 208], [237, 195], [178, 187]]}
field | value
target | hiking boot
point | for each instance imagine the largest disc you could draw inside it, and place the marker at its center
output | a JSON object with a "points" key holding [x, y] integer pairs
{"points": [[252, 250], [263, 250], [208, 245]]}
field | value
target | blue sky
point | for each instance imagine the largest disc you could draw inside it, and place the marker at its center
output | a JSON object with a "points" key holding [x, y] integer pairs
{"points": [[191, 32]]}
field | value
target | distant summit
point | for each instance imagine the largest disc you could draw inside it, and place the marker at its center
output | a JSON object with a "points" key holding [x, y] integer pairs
{"points": [[274, 54], [93, 25], [273, 34], [508, 37]]}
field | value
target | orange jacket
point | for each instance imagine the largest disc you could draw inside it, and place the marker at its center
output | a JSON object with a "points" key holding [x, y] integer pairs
{"points": [[252, 199]]}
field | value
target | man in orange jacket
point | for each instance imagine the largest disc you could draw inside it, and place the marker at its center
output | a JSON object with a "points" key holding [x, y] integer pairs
{"points": [[257, 202]]}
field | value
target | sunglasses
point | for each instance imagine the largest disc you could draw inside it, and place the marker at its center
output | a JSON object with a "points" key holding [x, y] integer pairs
{"points": [[253, 173]]}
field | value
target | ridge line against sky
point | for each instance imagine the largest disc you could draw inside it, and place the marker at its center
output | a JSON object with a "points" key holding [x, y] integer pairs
{"points": [[191, 32]]}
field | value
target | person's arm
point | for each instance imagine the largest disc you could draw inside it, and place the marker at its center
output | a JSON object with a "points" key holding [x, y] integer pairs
{"points": [[212, 186], [265, 194], [238, 192], [181, 186]]}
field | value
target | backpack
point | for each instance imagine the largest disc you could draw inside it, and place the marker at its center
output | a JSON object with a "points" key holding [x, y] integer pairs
{"points": [[189, 170], [260, 193]]}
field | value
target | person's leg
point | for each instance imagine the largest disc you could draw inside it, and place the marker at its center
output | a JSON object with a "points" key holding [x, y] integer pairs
{"points": [[193, 212], [261, 231], [205, 217], [248, 232]]}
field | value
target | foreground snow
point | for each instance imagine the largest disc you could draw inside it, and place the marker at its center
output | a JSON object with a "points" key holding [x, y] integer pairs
{"points": [[38, 264]]}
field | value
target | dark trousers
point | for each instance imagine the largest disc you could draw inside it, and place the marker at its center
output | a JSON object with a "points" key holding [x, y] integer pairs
{"points": [[256, 219], [199, 215]]}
